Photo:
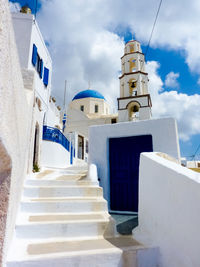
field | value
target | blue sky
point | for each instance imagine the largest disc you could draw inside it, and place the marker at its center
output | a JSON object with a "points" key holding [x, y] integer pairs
{"points": [[30, 3], [170, 48]]}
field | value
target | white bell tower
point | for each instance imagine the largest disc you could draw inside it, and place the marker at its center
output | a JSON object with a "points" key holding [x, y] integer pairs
{"points": [[135, 101]]}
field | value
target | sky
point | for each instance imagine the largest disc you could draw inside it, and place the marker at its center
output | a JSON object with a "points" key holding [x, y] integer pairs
{"points": [[86, 40]]}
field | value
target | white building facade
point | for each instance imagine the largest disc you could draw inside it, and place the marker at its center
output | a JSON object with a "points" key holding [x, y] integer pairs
{"points": [[87, 108], [48, 146]]}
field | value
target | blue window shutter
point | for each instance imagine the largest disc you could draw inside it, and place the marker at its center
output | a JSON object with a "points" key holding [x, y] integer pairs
{"points": [[46, 76], [41, 68], [34, 55]]}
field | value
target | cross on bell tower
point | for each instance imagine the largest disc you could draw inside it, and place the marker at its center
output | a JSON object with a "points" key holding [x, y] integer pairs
{"points": [[135, 101]]}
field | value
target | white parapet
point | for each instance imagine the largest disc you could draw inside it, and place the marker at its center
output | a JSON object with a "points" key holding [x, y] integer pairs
{"points": [[92, 173], [169, 214]]}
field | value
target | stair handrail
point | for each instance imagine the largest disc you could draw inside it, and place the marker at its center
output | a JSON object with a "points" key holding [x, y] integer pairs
{"points": [[55, 135]]}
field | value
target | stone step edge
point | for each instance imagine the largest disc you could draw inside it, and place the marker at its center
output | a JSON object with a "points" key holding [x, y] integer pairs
{"points": [[63, 186], [23, 243], [59, 181], [60, 199], [24, 216], [62, 222], [40, 258]]}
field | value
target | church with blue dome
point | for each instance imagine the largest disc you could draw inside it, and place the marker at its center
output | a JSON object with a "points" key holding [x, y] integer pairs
{"points": [[88, 93], [88, 107], [91, 103]]}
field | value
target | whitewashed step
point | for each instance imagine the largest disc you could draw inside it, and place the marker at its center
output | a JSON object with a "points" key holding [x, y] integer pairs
{"points": [[64, 191], [45, 182], [52, 217], [114, 252], [58, 205], [61, 177], [87, 255], [69, 229]]}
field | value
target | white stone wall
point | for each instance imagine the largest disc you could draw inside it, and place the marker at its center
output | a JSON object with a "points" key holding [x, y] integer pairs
{"points": [[78, 121], [22, 24], [133, 43], [89, 105], [193, 164], [169, 214], [28, 33], [163, 131], [144, 113], [126, 61], [14, 127], [142, 100], [42, 91], [53, 116], [54, 155]]}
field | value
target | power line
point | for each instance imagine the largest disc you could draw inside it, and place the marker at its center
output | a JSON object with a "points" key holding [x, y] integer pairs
{"points": [[154, 24], [196, 151], [36, 4]]}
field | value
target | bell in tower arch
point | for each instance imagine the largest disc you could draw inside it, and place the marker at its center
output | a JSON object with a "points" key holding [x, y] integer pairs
{"points": [[133, 84]]}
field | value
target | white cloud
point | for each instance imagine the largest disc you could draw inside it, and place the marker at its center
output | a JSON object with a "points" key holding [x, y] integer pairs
{"points": [[81, 47], [184, 108], [77, 25], [84, 46], [14, 7], [171, 80]]}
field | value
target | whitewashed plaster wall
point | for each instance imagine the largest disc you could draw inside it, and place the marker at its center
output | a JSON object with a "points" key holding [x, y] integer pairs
{"points": [[163, 131], [14, 130], [169, 210], [28, 33], [89, 105], [42, 91], [53, 116], [142, 100], [77, 121], [193, 164], [54, 155]]}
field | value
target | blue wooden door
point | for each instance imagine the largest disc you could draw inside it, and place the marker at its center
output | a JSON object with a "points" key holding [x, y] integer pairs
{"points": [[124, 156]]}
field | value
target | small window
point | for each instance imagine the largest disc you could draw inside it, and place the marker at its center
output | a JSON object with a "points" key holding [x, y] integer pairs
{"points": [[82, 108], [34, 55], [96, 108], [46, 78], [39, 65], [113, 121], [86, 147]]}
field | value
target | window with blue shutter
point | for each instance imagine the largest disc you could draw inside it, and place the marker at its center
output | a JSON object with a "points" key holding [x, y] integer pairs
{"points": [[41, 68], [46, 76], [34, 55]]}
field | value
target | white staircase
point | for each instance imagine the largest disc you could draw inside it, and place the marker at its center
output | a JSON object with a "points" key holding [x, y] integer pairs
{"points": [[63, 221]]}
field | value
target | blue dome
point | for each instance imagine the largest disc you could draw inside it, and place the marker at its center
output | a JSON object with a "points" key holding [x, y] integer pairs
{"points": [[88, 93]]}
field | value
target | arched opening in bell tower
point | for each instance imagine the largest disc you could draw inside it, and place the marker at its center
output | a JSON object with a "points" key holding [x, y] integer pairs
{"points": [[132, 64], [132, 87], [133, 110], [131, 47]]}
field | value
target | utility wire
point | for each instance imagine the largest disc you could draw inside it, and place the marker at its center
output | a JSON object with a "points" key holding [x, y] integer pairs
{"points": [[196, 151], [154, 24], [36, 4]]}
